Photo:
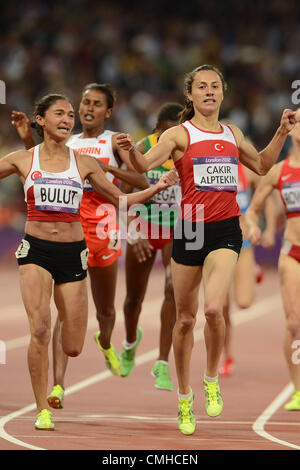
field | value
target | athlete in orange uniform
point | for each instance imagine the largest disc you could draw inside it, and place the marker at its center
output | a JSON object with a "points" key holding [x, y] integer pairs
{"points": [[207, 237]]}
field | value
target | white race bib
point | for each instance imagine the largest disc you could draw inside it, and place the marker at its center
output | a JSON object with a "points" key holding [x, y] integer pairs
{"points": [[57, 194], [216, 173], [170, 196], [291, 195]]}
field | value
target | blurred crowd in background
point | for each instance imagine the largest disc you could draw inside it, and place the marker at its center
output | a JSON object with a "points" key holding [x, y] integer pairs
{"points": [[144, 49]]}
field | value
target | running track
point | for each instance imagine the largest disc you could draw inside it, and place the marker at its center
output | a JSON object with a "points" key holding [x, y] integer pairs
{"points": [[104, 412]]}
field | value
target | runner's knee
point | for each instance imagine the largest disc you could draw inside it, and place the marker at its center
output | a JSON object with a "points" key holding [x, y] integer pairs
{"points": [[41, 334], [185, 323], [72, 350], [133, 304], [293, 326], [108, 312], [213, 313]]}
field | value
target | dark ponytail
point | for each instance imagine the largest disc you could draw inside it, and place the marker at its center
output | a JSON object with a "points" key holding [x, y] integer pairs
{"points": [[188, 111]]}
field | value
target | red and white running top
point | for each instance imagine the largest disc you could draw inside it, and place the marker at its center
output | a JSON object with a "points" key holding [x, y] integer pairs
{"points": [[289, 187], [208, 173], [53, 196], [99, 147]]}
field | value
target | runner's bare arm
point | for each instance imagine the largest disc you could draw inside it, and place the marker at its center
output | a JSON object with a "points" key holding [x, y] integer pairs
{"points": [[262, 192], [128, 174], [131, 177], [156, 155], [13, 163], [261, 162], [89, 168]]}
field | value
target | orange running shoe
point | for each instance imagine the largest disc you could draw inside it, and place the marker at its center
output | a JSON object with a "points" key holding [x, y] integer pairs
{"points": [[227, 368]]}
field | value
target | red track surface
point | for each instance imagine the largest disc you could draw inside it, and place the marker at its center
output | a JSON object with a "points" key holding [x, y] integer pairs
{"points": [[129, 413]]}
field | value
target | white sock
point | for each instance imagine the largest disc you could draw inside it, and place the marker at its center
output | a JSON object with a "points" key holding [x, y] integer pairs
{"points": [[184, 397], [211, 379], [128, 345], [162, 362]]}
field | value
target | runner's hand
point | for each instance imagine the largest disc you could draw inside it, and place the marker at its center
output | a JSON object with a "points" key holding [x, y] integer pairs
{"points": [[125, 141], [254, 235], [168, 179], [22, 124], [288, 121], [143, 249]]}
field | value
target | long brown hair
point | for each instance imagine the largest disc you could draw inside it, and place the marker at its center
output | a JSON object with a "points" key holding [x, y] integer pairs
{"points": [[188, 110]]}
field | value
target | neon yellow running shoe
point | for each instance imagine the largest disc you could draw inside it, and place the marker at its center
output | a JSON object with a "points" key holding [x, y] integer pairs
{"points": [[186, 417], [44, 420], [160, 371], [128, 355], [56, 397], [112, 359], [213, 400], [294, 404]]}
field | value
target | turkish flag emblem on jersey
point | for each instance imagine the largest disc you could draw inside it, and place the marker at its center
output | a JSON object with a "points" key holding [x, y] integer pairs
{"points": [[219, 147], [36, 174]]}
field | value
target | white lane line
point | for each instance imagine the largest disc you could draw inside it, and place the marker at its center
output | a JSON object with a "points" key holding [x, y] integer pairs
{"points": [[259, 425], [9, 417], [261, 308], [166, 419]]}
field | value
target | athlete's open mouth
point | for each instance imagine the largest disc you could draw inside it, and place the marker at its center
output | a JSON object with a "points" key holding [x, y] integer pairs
{"points": [[88, 117]]}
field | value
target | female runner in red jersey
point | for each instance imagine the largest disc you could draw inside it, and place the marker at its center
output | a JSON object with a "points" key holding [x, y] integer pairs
{"points": [[53, 250], [207, 237], [100, 226], [285, 176]]}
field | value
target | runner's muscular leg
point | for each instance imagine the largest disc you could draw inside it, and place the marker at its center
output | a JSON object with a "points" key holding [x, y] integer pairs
{"points": [[137, 276], [168, 309], [36, 289], [72, 303], [103, 284], [186, 283], [218, 271], [228, 329], [289, 271], [60, 358], [244, 278]]}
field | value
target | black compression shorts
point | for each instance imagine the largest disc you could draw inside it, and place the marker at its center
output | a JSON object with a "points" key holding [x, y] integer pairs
{"points": [[192, 250], [65, 261]]}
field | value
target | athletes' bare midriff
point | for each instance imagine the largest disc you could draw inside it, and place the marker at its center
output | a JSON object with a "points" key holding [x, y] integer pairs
{"points": [[55, 231]]}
